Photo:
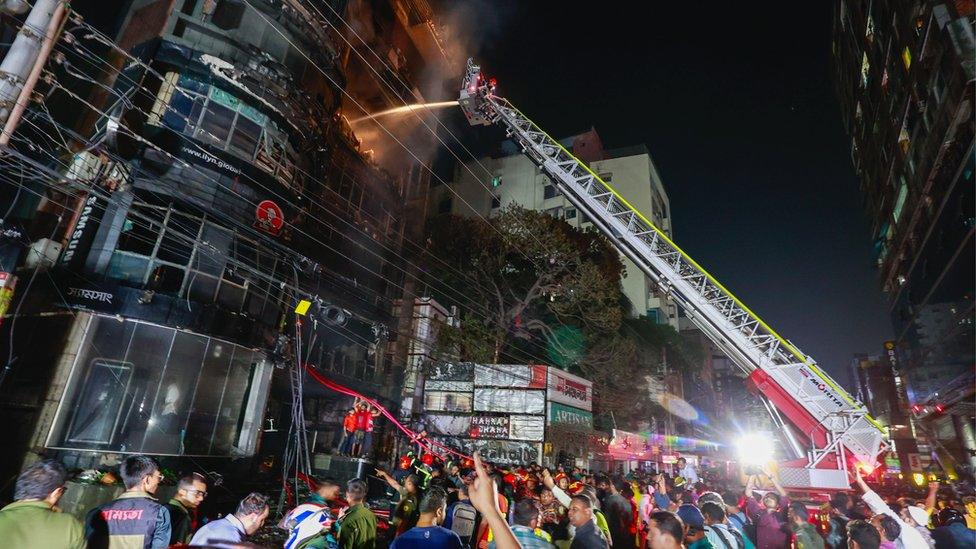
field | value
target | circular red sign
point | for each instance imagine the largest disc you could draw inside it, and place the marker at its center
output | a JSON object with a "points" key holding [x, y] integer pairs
{"points": [[269, 216]]}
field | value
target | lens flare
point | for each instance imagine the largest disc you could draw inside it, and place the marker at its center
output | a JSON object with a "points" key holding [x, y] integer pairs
{"points": [[755, 449]]}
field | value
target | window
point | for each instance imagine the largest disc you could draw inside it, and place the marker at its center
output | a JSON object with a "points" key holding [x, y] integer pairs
{"points": [[906, 57], [191, 257], [143, 388], [496, 202], [606, 177], [570, 213], [554, 212], [869, 29], [548, 191], [223, 121], [654, 315]]}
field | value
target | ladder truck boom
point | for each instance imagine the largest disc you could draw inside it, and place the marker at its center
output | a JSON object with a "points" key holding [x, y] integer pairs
{"points": [[837, 429]]}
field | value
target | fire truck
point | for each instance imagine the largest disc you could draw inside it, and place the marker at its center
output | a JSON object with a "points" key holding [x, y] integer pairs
{"points": [[828, 429]]}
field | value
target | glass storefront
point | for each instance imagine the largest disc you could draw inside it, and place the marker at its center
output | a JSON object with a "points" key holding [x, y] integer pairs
{"points": [[142, 388]]}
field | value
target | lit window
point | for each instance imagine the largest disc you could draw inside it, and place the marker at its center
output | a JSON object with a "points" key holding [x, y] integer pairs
{"points": [[869, 30], [906, 57]]}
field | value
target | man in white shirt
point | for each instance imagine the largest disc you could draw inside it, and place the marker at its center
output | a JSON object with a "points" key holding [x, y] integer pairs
{"points": [[687, 471]]}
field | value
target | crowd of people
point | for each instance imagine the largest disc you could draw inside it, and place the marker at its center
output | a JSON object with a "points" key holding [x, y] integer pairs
{"points": [[474, 505]]}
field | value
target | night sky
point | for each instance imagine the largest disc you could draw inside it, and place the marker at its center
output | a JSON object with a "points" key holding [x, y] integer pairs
{"points": [[735, 102]]}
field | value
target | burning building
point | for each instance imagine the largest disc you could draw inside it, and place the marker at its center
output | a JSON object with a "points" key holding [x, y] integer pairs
{"points": [[221, 188]]}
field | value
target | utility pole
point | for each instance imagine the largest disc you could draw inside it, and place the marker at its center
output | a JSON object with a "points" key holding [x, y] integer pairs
{"points": [[22, 66]]}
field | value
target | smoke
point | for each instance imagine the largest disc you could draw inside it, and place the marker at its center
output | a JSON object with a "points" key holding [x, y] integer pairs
{"points": [[464, 27]]}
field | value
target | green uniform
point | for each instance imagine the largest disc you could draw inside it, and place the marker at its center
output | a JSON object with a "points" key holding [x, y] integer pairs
{"points": [[357, 528], [36, 524], [807, 537]]}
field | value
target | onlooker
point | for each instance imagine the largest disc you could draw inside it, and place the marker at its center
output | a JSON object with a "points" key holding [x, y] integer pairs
{"points": [[190, 492], [736, 517], [136, 518], [861, 535], [807, 536], [717, 530], [484, 497], [461, 517], [916, 517], [310, 524], [587, 535], [661, 499], [526, 527], [233, 529], [33, 520], [694, 527], [953, 532], [357, 524], [687, 471], [840, 507], [428, 533], [768, 514], [620, 515], [908, 538], [889, 530], [665, 531]]}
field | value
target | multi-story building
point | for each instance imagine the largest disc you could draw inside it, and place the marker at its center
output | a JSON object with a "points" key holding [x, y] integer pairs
{"points": [[485, 186], [904, 74], [171, 317]]}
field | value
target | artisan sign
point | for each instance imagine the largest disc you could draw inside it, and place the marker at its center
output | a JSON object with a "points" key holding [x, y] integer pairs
{"points": [[565, 388], [560, 414]]}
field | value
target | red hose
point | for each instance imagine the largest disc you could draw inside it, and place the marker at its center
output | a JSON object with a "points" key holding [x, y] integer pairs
{"points": [[329, 384]]}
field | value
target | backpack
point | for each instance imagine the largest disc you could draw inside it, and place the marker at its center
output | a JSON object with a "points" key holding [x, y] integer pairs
{"points": [[739, 542], [463, 521]]}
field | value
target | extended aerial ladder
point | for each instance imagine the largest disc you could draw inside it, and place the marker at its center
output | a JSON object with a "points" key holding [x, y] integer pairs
{"points": [[838, 431]]}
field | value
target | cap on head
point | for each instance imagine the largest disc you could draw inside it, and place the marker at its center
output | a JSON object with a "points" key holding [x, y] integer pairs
{"points": [[692, 516]]}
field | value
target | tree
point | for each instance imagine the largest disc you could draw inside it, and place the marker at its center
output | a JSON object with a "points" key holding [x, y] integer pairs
{"points": [[528, 281], [533, 288]]}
